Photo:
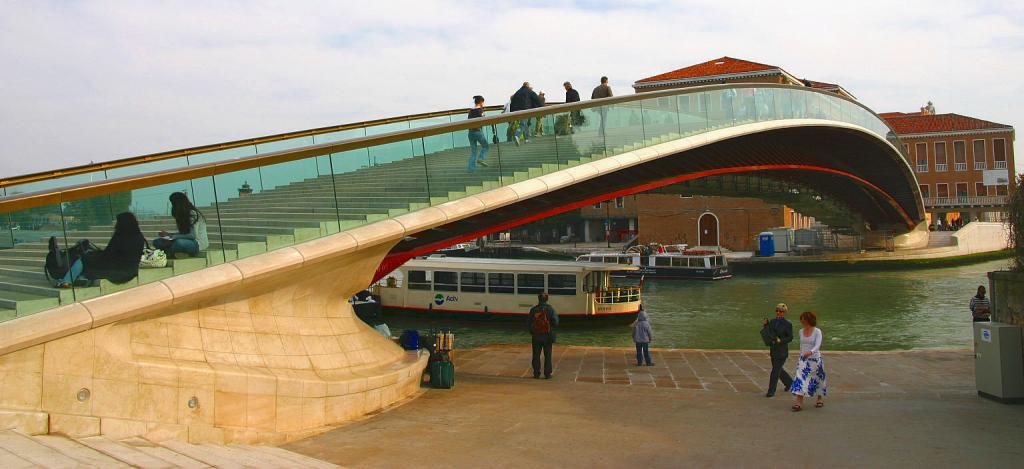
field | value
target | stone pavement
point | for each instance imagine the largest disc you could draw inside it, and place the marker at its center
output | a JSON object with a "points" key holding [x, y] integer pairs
{"points": [[741, 371], [695, 408]]}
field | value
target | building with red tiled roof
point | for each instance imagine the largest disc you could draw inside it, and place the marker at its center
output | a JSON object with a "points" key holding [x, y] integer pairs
{"points": [[830, 87], [720, 70], [964, 165], [917, 123], [730, 70]]}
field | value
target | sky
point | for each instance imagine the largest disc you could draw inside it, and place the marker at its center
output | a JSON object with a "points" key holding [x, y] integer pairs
{"points": [[102, 80]]}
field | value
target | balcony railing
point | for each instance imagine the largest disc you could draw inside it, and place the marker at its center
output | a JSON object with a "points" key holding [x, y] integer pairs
{"points": [[965, 201], [922, 167], [941, 167], [980, 165], [618, 295], [999, 165], [960, 167]]}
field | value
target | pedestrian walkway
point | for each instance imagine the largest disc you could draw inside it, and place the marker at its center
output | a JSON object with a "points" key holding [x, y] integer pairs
{"points": [[18, 450], [738, 371], [885, 409]]}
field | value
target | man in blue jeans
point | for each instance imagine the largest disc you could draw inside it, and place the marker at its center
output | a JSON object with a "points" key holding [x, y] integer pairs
{"points": [[522, 100], [476, 136]]}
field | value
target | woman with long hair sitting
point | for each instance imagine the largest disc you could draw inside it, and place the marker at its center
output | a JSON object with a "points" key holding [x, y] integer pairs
{"points": [[117, 262], [191, 237]]}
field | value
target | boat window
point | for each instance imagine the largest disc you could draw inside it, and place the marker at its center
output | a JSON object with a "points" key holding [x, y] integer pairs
{"points": [[418, 280], [446, 281], [679, 262], [501, 283], [584, 259], [529, 283], [662, 261], [696, 262], [562, 284], [595, 281], [473, 282], [624, 260], [719, 260]]}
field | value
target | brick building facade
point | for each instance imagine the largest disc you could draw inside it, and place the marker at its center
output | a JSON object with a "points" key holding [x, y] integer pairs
{"points": [[950, 154], [964, 165], [729, 222]]}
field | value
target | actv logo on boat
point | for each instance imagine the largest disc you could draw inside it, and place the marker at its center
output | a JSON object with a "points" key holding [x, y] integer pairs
{"points": [[439, 299]]}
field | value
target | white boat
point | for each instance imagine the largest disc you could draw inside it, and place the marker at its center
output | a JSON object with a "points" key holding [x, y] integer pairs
{"points": [[666, 261], [508, 288]]}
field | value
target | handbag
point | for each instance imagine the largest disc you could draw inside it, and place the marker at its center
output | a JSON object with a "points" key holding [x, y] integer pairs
{"points": [[768, 335], [153, 258]]}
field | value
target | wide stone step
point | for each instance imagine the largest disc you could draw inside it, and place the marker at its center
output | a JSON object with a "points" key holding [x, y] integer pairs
{"points": [[18, 450]]}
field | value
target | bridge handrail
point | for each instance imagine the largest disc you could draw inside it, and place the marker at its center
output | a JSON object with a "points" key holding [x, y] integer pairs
{"points": [[50, 196], [166, 155]]}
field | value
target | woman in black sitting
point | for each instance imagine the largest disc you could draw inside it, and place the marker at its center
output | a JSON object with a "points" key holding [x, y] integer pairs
{"points": [[118, 262]]}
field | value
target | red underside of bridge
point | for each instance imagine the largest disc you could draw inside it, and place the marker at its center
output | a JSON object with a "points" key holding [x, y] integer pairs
{"points": [[850, 183]]}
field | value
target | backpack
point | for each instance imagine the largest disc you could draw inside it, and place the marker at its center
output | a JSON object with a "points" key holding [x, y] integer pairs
{"points": [[58, 260], [540, 323]]}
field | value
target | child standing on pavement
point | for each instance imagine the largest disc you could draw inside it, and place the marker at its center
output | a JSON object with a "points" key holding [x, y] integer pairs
{"points": [[642, 335]]}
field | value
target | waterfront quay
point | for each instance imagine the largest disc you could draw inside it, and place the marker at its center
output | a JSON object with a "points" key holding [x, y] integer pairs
{"points": [[694, 408]]}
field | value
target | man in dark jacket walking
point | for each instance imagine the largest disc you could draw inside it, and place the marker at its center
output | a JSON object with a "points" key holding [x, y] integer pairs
{"points": [[779, 332], [602, 91], [522, 100], [542, 321], [572, 96]]}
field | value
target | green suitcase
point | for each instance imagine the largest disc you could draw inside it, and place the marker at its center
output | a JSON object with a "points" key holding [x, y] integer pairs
{"points": [[442, 375]]}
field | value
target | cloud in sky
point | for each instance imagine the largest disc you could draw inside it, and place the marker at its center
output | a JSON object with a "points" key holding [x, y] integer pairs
{"points": [[94, 81]]}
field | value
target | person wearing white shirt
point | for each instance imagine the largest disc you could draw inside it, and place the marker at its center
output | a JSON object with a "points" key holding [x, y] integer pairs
{"points": [[809, 379]]}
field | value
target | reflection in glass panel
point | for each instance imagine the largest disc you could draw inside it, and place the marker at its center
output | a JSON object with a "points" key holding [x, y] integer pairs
{"points": [[623, 127], [693, 113], [659, 119], [26, 287]]}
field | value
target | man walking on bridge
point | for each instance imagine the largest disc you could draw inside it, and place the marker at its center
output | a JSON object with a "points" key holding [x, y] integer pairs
{"points": [[542, 321], [602, 91], [522, 100], [572, 96]]}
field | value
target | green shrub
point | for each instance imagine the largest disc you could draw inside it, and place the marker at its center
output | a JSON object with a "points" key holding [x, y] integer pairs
{"points": [[1015, 215]]}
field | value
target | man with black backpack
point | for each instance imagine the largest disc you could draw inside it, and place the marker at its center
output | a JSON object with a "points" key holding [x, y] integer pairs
{"points": [[542, 321]]}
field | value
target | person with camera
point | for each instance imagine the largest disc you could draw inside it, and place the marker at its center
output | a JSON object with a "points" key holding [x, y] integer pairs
{"points": [[981, 309], [777, 334]]}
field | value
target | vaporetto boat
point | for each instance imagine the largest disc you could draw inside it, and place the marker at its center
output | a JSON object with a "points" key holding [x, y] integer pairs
{"points": [[506, 289], [665, 261]]}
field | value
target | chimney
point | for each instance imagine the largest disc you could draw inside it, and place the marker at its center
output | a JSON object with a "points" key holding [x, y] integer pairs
{"points": [[245, 190]]}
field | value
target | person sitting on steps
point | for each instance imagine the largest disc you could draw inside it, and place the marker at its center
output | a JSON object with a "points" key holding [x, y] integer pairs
{"points": [[117, 262], [191, 237]]}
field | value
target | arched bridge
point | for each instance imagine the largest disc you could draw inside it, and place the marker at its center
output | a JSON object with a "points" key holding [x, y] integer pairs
{"points": [[299, 222]]}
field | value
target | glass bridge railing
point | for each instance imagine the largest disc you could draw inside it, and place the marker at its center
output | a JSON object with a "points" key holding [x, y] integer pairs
{"points": [[270, 195]]}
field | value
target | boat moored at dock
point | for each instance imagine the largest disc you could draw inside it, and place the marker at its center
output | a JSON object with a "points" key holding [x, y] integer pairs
{"points": [[666, 261], [506, 289]]}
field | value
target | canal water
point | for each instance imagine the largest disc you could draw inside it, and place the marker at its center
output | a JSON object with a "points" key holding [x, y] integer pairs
{"points": [[888, 310]]}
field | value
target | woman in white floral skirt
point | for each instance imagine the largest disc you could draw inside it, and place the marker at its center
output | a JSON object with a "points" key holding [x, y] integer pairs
{"points": [[809, 379]]}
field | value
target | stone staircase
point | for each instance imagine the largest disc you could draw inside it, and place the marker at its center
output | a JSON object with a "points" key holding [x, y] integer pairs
{"points": [[314, 207], [18, 450], [940, 239]]}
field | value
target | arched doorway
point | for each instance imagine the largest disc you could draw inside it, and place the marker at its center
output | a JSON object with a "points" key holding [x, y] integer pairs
{"points": [[707, 230]]}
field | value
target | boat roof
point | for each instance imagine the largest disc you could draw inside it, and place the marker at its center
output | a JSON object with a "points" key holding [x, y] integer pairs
{"points": [[518, 265], [656, 254]]}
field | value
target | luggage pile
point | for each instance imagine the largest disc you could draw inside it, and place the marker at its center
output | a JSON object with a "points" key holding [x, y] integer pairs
{"points": [[442, 371]]}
